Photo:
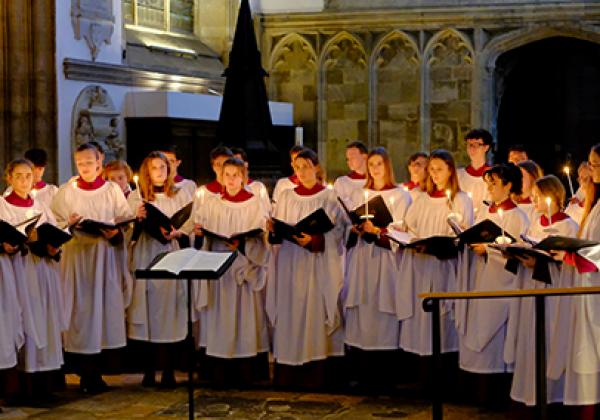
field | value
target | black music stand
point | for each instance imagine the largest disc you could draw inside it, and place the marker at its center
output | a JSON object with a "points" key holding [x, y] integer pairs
{"points": [[188, 275]]}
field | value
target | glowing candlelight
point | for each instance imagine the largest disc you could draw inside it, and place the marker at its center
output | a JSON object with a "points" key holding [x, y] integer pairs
{"points": [[137, 185], [548, 204], [568, 173], [366, 216], [329, 186], [450, 203], [406, 188]]}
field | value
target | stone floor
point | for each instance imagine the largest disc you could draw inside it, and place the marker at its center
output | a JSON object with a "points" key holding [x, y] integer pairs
{"points": [[128, 400]]}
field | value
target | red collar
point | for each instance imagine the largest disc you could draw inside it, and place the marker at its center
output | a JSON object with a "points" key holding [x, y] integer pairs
{"points": [[90, 186], [294, 179], [127, 193], [556, 217], [178, 178], [356, 175], [302, 190], [524, 200], [39, 185], [250, 181], [506, 205], [438, 193], [477, 172], [15, 200], [215, 187], [410, 185], [242, 195]]}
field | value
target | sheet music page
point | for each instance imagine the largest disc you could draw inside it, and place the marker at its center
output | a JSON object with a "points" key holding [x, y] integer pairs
{"points": [[175, 262], [208, 261]]}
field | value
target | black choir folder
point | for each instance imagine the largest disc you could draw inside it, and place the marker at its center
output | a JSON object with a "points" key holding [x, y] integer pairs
{"points": [[156, 219], [16, 235], [95, 227], [240, 236], [377, 208], [483, 232], [315, 223], [188, 263], [441, 247]]}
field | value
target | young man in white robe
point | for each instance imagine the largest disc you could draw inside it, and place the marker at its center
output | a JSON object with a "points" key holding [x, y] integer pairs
{"points": [[372, 330], [291, 181], [38, 285], [470, 178], [356, 159], [96, 288], [187, 185], [233, 322], [305, 280], [157, 316]]}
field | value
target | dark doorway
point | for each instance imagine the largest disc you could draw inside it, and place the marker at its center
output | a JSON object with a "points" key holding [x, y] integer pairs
{"points": [[548, 95]]}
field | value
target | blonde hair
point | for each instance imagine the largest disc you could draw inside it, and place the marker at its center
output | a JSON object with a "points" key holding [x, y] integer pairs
{"points": [[13, 164], [146, 187], [447, 158], [387, 163], [118, 165], [550, 186]]}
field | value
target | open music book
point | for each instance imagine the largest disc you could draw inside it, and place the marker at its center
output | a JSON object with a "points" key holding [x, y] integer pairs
{"points": [[191, 262], [17, 234]]}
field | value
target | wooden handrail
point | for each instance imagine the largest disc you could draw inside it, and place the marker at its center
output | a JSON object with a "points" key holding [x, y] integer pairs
{"points": [[565, 291]]}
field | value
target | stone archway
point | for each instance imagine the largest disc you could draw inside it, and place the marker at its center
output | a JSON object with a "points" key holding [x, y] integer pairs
{"points": [[547, 99]]}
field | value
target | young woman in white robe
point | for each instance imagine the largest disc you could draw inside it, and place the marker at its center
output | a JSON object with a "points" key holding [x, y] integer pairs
{"points": [[417, 171], [356, 158], [576, 206], [305, 279], [157, 317], [482, 339], [233, 322], [372, 330], [38, 283], [523, 384], [470, 178], [95, 286], [422, 273], [531, 171], [257, 188], [289, 182]]}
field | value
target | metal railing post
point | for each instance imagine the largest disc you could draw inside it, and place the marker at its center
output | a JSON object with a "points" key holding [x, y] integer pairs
{"points": [[433, 306], [541, 399]]}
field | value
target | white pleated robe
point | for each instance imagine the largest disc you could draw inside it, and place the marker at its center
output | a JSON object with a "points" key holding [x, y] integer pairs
{"points": [[422, 273], [304, 287], [12, 336], [158, 311], [476, 188], [39, 293], [233, 321], [95, 286], [345, 186], [370, 282]]}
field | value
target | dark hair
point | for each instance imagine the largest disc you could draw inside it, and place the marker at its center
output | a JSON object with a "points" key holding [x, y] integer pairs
{"points": [[218, 152], [533, 169], [517, 148], [480, 133], [507, 172], [170, 148], [240, 164], [296, 149], [38, 157], [550, 185], [416, 156], [448, 159], [309, 154], [97, 146], [88, 146], [358, 145], [241, 152], [591, 195]]}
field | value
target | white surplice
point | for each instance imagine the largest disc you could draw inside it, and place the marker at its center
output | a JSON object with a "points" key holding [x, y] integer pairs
{"points": [[345, 186], [233, 321], [523, 385], [370, 280], [11, 324], [39, 293], [94, 285], [303, 287], [158, 311], [483, 334], [476, 188], [281, 185], [422, 273]]}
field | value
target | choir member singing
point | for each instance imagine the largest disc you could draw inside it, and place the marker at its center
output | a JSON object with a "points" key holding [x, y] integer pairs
{"points": [[95, 286], [233, 322], [417, 174], [291, 181], [37, 282], [372, 329], [255, 187], [305, 280], [356, 159], [119, 172], [157, 315], [187, 185], [42, 191], [530, 171], [470, 179], [576, 205]]}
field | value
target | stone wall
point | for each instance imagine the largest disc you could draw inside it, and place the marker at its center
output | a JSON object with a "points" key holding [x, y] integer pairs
{"points": [[408, 79]]}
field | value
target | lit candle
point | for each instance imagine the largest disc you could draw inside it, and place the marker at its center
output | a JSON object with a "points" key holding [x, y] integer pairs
{"points": [[449, 195], [366, 216], [137, 185], [406, 188], [568, 172], [329, 186], [548, 204]]}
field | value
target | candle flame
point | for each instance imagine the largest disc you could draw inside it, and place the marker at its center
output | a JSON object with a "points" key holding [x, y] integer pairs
{"points": [[448, 194], [500, 212], [567, 170], [329, 186], [366, 194], [136, 179], [548, 201]]}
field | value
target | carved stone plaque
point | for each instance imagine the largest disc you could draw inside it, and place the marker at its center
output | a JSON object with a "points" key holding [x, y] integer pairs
{"points": [[93, 20]]}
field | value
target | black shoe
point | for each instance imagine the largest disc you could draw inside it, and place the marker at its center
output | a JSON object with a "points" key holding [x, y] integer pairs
{"points": [[149, 380], [167, 380]]}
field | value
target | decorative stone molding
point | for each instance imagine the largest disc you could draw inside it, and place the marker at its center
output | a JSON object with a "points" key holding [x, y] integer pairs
{"points": [[93, 20], [96, 119]]}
